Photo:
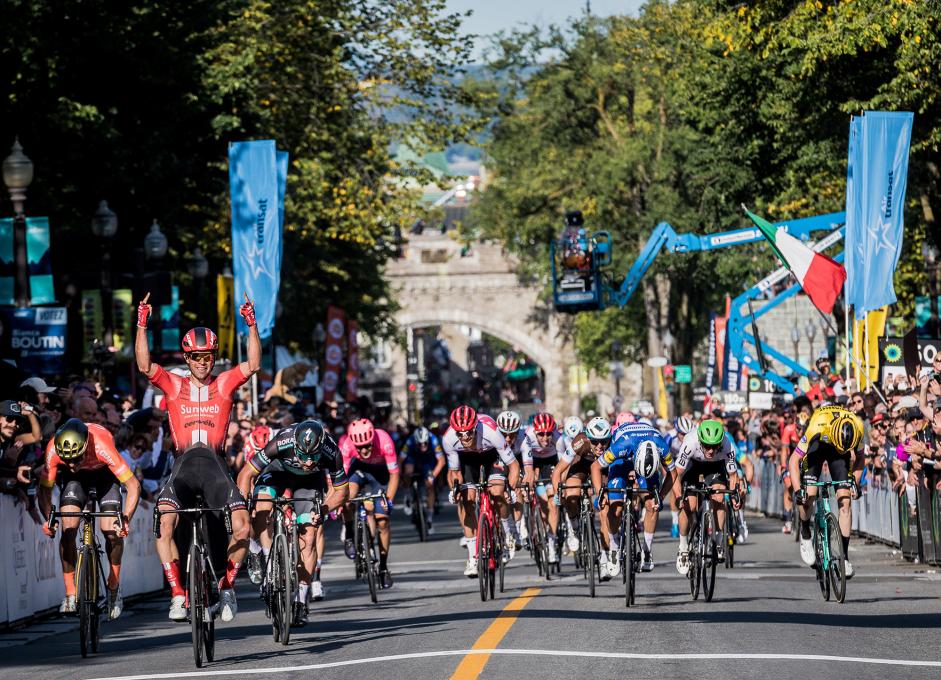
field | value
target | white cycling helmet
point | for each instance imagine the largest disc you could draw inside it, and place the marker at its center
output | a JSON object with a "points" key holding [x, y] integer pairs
{"points": [[422, 435], [598, 429], [573, 426], [647, 459], [508, 422], [683, 424]]}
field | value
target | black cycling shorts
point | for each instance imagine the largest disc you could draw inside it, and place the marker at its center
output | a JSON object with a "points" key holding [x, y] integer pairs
{"points": [[363, 474], [74, 488], [713, 472], [813, 460], [472, 462], [200, 470], [542, 467]]}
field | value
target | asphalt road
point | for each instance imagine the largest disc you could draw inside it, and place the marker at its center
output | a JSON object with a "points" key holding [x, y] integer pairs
{"points": [[767, 618]]}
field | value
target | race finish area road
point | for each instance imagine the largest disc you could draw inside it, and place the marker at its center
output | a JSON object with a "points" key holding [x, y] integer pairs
{"points": [[767, 617]]}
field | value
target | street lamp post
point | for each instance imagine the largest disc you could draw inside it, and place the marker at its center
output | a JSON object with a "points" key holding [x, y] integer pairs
{"points": [[796, 339], [811, 331], [17, 175], [104, 225], [198, 267]]}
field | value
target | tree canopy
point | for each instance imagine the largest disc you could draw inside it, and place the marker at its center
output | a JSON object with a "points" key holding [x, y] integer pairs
{"points": [[686, 111]]}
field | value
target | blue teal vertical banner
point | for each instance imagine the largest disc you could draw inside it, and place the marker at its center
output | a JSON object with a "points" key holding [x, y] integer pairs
{"points": [[880, 178], [39, 257], [7, 263], [856, 236], [170, 322], [256, 228]]}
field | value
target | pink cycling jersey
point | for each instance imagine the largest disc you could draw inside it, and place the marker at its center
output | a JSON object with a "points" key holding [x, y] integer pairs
{"points": [[383, 452]]}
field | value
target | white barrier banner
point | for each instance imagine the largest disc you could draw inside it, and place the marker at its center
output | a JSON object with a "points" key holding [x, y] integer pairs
{"points": [[32, 573]]}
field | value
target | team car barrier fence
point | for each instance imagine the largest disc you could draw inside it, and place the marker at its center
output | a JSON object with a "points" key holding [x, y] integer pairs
{"points": [[30, 571]]}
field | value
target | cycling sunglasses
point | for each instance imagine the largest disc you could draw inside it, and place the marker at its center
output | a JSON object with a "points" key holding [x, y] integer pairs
{"points": [[200, 357], [465, 434]]}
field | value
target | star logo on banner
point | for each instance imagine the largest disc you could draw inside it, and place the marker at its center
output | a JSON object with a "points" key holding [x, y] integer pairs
{"points": [[256, 262], [880, 236]]}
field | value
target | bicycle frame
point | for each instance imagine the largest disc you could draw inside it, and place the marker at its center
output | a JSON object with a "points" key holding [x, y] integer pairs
{"points": [[88, 589]]}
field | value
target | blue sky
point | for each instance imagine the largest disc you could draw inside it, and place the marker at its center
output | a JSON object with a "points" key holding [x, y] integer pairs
{"points": [[491, 16]]}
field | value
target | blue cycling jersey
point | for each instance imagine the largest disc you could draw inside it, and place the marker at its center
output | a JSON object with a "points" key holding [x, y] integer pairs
{"points": [[626, 440], [413, 451]]}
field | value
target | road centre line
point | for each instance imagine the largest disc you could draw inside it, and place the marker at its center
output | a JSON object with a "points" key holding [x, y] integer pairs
{"points": [[537, 652], [472, 665]]}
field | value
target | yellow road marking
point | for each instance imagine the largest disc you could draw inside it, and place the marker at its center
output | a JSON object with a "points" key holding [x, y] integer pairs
{"points": [[472, 665]]}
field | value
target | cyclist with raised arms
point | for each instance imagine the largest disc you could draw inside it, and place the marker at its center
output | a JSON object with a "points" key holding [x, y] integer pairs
{"points": [[634, 460], [832, 437], [422, 454], [371, 463], [470, 442], [297, 459], [80, 458], [199, 407], [708, 452]]}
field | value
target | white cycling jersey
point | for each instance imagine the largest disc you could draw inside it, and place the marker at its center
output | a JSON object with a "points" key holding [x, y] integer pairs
{"points": [[487, 438], [691, 451], [530, 448]]}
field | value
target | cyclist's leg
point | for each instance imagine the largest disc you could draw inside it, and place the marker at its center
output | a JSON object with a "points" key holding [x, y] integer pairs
{"points": [[72, 498], [356, 482], [305, 490], [269, 484], [652, 512], [109, 498], [717, 478], [175, 494], [220, 490], [840, 472]]}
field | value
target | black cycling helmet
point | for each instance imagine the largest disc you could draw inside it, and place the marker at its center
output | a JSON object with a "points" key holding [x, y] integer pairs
{"points": [[308, 440], [71, 439]]}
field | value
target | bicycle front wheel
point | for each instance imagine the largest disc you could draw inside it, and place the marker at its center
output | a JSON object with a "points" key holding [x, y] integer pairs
{"points": [[198, 598], [483, 556], [284, 595], [84, 598], [369, 553], [591, 551], [837, 558], [695, 560], [709, 559], [629, 547], [419, 510]]}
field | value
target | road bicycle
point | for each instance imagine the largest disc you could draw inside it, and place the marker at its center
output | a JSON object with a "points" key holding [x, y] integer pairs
{"points": [[587, 557], [90, 582], [732, 530], [491, 562], [419, 507], [536, 527], [830, 562], [364, 538], [703, 550], [630, 554], [202, 583], [279, 583]]}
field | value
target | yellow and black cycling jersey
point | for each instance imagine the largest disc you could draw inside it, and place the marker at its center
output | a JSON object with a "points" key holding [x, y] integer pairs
{"points": [[831, 427]]}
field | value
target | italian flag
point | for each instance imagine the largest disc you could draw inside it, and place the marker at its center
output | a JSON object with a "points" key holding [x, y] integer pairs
{"points": [[820, 277]]}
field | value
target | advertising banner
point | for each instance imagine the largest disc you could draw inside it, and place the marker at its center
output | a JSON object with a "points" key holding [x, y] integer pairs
{"points": [[352, 361], [170, 322], [257, 193], [35, 338], [7, 262], [39, 259], [225, 307], [124, 316], [879, 147], [333, 354]]}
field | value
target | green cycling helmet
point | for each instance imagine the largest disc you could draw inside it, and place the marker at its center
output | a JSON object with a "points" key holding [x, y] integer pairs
{"points": [[710, 432]]}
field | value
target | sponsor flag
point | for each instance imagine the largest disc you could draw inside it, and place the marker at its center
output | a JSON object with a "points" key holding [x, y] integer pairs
{"points": [[124, 318], [35, 338], [352, 361], [225, 307], [333, 356], [711, 355], [820, 277], [878, 163], [39, 259], [257, 202]]}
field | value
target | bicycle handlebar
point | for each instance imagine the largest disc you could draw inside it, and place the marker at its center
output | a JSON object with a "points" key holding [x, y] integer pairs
{"points": [[226, 516], [708, 491], [84, 514], [368, 497]]}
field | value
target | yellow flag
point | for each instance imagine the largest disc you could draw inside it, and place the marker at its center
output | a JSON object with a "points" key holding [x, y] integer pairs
{"points": [[875, 329], [662, 408], [225, 306]]}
